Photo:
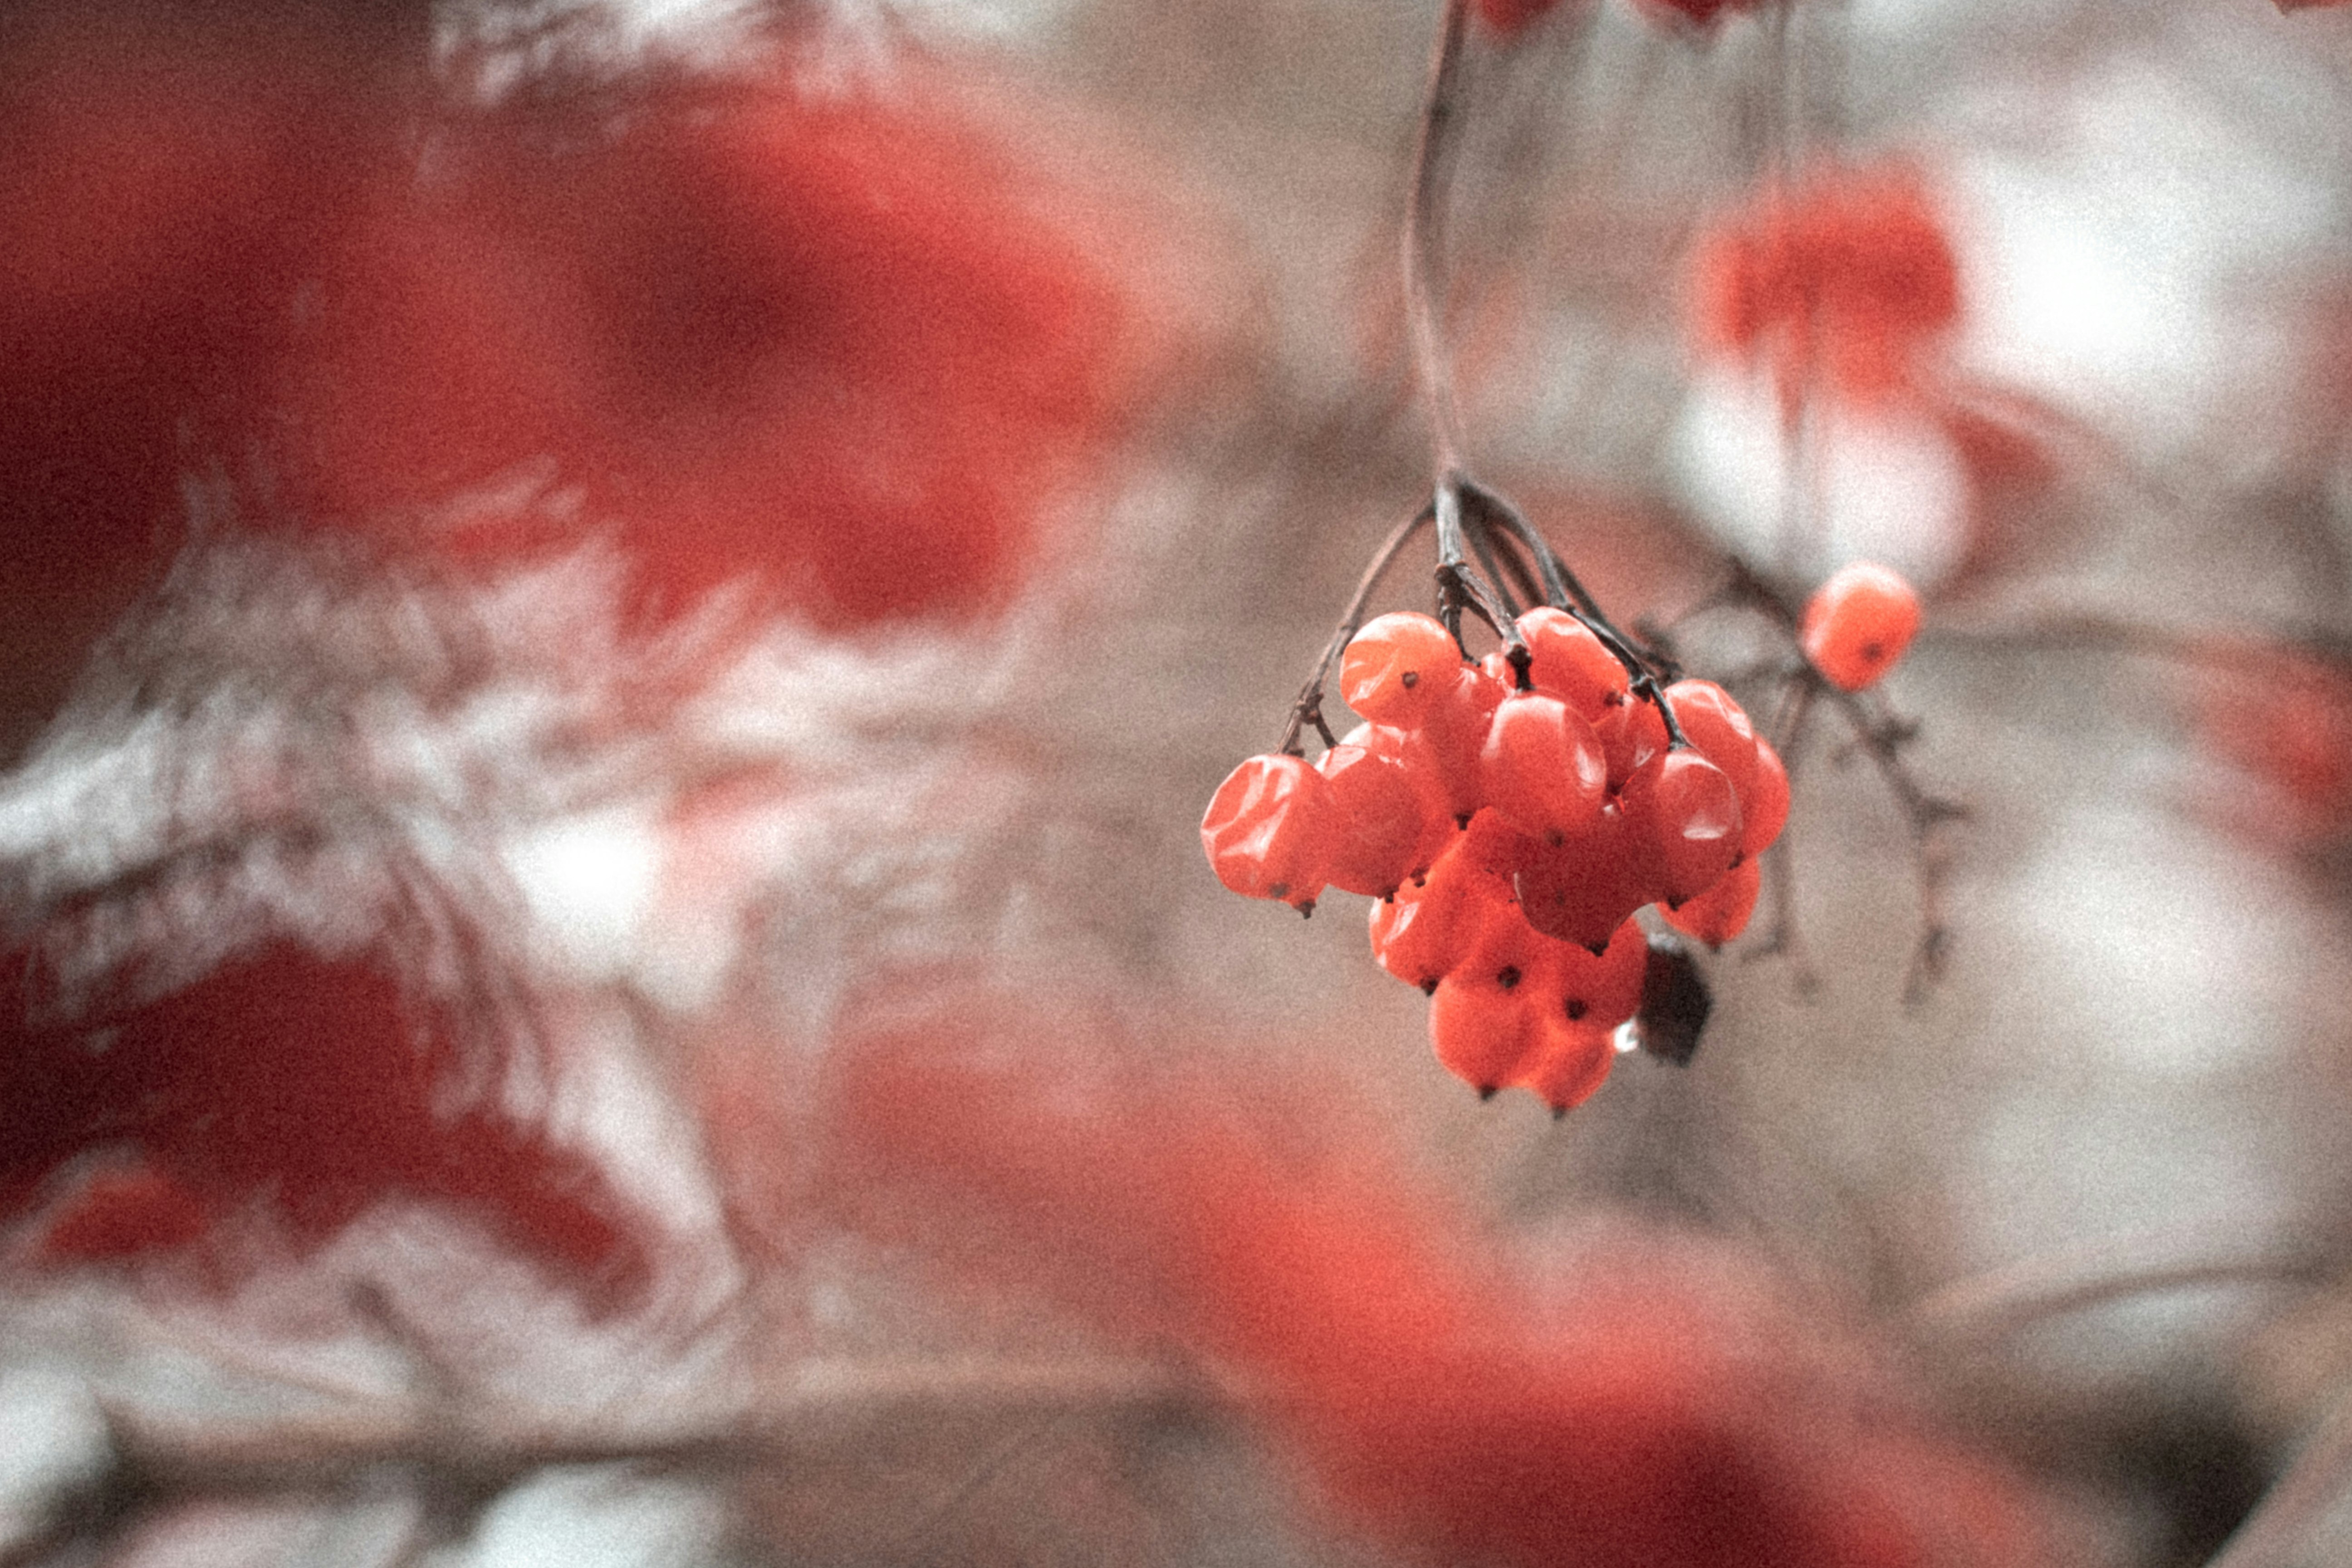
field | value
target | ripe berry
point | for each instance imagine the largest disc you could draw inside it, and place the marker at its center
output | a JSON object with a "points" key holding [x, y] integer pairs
{"points": [[1631, 734], [1857, 625], [1582, 891], [1396, 666], [1718, 727], [1270, 831], [1383, 831], [1568, 661], [1543, 767], [1448, 747], [1684, 815], [1479, 1030], [1564, 1064], [1424, 935], [1722, 912]]}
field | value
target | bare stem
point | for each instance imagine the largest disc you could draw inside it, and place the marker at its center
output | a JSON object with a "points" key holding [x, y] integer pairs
{"points": [[1424, 234], [1309, 709]]}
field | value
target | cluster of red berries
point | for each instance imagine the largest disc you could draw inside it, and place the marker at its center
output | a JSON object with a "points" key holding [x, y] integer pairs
{"points": [[1512, 823]]}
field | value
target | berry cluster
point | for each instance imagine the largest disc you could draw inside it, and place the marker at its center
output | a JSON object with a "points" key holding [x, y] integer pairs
{"points": [[1513, 813]]}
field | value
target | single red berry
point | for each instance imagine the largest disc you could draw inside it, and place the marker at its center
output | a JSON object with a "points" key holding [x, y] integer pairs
{"points": [[1718, 727], [1270, 830], [1684, 813], [1631, 734], [1567, 660], [1582, 891], [1450, 744], [1385, 829], [1604, 987], [1396, 666], [1564, 1064], [1425, 932], [1722, 912], [1858, 623], [1543, 767], [1479, 1029]]}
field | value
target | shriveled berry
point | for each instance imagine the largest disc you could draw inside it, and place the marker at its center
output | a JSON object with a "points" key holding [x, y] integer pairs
{"points": [[1857, 625], [1722, 912], [1684, 815], [1543, 767], [1270, 830], [1396, 666], [1568, 661]]}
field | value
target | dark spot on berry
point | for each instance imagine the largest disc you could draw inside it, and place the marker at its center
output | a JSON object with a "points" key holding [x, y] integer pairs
{"points": [[1409, 680], [1461, 820], [1428, 988], [1509, 976], [1487, 1091], [1577, 1008], [1306, 910], [1559, 1112], [1279, 891]]}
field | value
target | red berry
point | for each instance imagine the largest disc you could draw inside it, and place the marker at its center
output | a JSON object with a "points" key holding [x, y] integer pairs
{"points": [[1396, 666], [1631, 734], [1722, 912], [1718, 727], [1683, 813], [1479, 1030], [1426, 931], [1582, 891], [1270, 830], [1764, 809], [1568, 661], [1564, 1064], [1857, 625], [1450, 744], [1603, 988], [1385, 829], [1543, 767]]}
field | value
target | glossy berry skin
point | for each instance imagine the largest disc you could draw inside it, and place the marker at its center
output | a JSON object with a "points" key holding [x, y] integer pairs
{"points": [[1718, 727], [1270, 831], [1684, 819], [1722, 912], [1584, 891], [1427, 931], [1857, 625], [1567, 660], [1396, 666], [1565, 1064], [1383, 823], [1449, 748], [1543, 767]]}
